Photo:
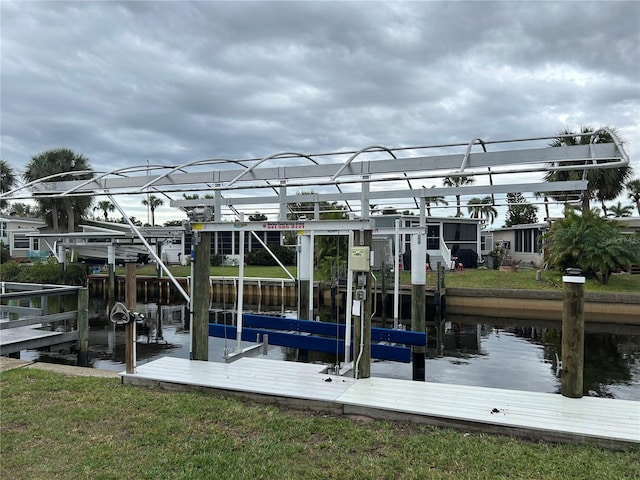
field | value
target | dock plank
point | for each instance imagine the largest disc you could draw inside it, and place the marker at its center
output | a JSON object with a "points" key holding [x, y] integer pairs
{"points": [[603, 421]]}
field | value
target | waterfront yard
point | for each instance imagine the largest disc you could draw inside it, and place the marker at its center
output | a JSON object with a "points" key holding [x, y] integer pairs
{"points": [[471, 278], [55, 426]]}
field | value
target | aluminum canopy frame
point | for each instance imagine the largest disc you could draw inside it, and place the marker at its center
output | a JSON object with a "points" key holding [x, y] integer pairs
{"points": [[266, 180], [259, 181]]}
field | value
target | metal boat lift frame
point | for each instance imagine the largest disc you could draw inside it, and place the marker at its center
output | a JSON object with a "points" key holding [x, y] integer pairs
{"points": [[380, 173]]}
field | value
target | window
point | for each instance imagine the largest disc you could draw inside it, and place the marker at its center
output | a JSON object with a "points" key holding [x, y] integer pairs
{"points": [[20, 241], [460, 232], [433, 237], [527, 240], [3, 229]]}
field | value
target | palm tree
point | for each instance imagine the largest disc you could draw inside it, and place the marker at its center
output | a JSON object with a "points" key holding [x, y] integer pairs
{"points": [[603, 184], [634, 192], [458, 182], [620, 210], [545, 198], [436, 200], [152, 202], [7, 180], [482, 208], [61, 160], [105, 206]]}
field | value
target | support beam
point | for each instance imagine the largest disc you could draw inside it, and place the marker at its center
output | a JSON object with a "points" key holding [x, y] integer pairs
{"points": [[418, 298], [201, 300], [362, 327]]}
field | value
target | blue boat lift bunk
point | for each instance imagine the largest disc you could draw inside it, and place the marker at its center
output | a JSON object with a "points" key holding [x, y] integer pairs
{"points": [[325, 337]]}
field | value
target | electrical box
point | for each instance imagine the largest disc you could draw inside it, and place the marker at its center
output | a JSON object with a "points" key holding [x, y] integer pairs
{"points": [[359, 259]]}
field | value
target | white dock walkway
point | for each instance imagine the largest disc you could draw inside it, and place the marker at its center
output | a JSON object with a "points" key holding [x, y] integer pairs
{"points": [[23, 338], [606, 422]]}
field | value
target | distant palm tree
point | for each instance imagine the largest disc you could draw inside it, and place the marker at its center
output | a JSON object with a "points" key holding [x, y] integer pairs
{"points": [[457, 182], [105, 206], [603, 184], [620, 210], [482, 208], [7, 180], [152, 202], [61, 160], [436, 200], [634, 192]]}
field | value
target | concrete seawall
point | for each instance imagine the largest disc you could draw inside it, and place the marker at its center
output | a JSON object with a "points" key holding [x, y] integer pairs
{"points": [[618, 308]]}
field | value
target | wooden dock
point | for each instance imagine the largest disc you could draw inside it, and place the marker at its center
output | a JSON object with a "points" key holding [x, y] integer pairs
{"points": [[608, 423], [13, 340]]}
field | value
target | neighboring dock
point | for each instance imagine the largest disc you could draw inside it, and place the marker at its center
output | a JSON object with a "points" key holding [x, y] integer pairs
{"points": [[608, 423]]}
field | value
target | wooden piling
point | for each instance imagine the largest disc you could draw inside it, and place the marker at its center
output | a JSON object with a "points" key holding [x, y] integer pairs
{"points": [[572, 337], [200, 280], [363, 335], [83, 327], [130, 327]]}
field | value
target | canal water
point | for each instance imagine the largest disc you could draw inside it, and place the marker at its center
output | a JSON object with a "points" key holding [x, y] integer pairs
{"points": [[495, 353]]}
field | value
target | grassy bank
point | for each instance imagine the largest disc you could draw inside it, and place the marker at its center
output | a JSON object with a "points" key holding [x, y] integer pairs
{"points": [[61, 427], [471, 278]]}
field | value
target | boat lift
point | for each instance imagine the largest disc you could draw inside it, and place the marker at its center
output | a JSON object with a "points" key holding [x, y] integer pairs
{"points": [[353, 177]]}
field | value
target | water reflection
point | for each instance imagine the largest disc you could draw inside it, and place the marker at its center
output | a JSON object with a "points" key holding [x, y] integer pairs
{"points": [[494, 353]]}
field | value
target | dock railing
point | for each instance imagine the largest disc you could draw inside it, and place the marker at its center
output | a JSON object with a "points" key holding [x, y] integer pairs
{"points": [[43, 315]]}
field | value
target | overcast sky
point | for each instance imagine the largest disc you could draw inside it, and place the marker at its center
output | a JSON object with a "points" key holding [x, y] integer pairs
{"points": [[169, 82]]}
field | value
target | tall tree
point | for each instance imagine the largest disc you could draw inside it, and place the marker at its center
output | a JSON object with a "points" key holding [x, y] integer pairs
{"points": [[634, 192], [482, 208], [152, 202], [7, 180], [620, 210], [519, 211], [435, 200], [457, 182], [604, 184], [57, 210], [105, 206]]}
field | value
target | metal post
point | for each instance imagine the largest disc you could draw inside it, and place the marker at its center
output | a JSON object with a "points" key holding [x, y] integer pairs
{"points": [[573, 334], [130, 327], [111, 297], [83, 327], [396, 275], [348, 309], [304, 272], [240, 290]]}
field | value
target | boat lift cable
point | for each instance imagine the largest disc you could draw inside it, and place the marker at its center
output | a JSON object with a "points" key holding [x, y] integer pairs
{"points": [[159, 261]]}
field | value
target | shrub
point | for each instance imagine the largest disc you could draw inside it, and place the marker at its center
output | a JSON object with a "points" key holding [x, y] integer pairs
{"points": [[286, 255], [591, 243]]}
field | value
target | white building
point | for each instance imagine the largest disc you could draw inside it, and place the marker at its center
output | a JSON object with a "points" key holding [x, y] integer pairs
{"points": [[13, 233]]}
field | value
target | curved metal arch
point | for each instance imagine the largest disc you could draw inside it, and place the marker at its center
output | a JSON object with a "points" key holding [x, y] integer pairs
{"points": [[118, 172], [270, 157], [44, 179], [371, 148], [467, 153], [190, 164]]}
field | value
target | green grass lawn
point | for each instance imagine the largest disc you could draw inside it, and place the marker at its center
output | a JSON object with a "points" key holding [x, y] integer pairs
{"points": [[471, 278], [54, 426]]}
